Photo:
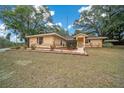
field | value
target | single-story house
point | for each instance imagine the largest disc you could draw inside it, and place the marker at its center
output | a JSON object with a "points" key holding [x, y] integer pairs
{"points": [[89, 41], [46, 40]]}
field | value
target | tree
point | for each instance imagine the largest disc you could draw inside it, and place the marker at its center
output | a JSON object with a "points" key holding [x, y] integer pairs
{"points": [[60, 30], [91, 20], [51, 27], [115, 27], [27, 20], [8, 36], [4, 43], [102, 20]]}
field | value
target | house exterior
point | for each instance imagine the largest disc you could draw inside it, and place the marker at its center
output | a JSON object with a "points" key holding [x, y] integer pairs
{"points": [[95, 41], [88, 41], [46, 40]]}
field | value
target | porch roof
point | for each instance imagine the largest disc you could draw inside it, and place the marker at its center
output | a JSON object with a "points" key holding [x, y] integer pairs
{"points": [[80, 34]]}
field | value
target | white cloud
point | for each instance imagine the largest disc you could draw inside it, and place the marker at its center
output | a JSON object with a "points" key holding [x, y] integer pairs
{"points": [[37, 7], [2, 34], [103, 15], [45, 14], [49, 24], [65, 29], [2, 27], [52, 13], [84, 8], [2, 30], [14, 38], [70, 26], [59, 23]]}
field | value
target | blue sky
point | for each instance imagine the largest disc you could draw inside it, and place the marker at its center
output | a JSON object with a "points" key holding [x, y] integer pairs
{"points": [[64, 15]]}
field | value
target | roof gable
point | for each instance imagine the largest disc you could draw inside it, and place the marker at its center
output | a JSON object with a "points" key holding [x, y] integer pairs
{"points": [[81, 34]]}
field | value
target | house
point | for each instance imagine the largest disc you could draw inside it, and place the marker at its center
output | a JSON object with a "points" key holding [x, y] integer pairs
{"points": [[46, 40], [88, 41]]}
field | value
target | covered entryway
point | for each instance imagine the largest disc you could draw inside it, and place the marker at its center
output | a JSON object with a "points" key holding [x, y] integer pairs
{"points": [[80, 40]]}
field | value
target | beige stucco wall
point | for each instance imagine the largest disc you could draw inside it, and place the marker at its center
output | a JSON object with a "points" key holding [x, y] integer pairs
{"points": [[47, 41], [32, 40], [58, 41], [94, 43]]}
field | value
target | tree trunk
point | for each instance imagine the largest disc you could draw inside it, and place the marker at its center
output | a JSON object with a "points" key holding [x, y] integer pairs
{"points": [[26, 41]]}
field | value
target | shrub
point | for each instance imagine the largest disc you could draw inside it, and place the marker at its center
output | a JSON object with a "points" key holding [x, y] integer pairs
{"points": [[16, 47], [71, 44], [108, 45], [12, 47], [4, 43], [33, 46], [51, 47], [25, 47]]}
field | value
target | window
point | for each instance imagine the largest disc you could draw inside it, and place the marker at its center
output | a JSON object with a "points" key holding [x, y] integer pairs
{"points": [[87, 41], [40, 40], [37, 40], [61, 43]]}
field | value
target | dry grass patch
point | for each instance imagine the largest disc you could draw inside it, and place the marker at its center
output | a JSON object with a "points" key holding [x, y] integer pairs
{"points": [[102, 68]]}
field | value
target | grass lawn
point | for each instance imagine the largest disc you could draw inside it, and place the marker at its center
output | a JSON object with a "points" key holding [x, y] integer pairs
{"points": [[104, 67]]}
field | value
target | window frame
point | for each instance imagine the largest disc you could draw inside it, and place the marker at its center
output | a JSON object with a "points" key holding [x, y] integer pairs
{"points": [[39, 40], [61, 42]]}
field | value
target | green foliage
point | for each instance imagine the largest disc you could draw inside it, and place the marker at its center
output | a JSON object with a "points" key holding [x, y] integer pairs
{"points": [[71, 44], [27, 20], [16, 47], [24, 46], [4, 43], [107, 44], [103, 20], [58, 29], [8, 36], [61, 31], [33, 46]]}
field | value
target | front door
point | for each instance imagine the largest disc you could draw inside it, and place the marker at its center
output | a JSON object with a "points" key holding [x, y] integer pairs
{"points": [[80, 42]]}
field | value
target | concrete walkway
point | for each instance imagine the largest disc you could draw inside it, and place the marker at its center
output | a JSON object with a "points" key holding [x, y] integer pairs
{"points": [[4, 49], [61, 51]]}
